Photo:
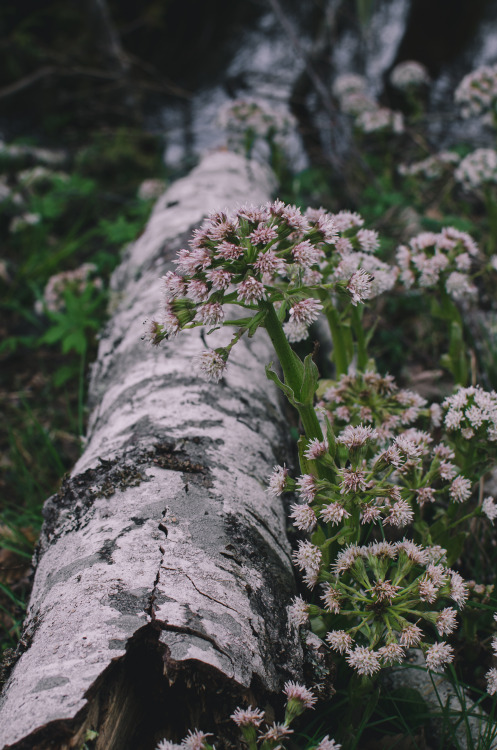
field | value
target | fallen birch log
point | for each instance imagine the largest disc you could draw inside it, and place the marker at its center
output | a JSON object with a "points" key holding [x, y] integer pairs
{"points": [[163, 570]]}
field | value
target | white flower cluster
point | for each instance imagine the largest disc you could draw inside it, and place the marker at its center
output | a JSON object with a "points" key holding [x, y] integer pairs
{"points": [[43, 155], [491, 675], [489, 508], [194, 740], [382, 120], [349, 83], [444, 258], [365, 486], [478, 169], [367, 275], [477, 92], [409, 74], [19, 223], [433, 167], [351, 91], [35, 176], [472, 413], [256, 116]]}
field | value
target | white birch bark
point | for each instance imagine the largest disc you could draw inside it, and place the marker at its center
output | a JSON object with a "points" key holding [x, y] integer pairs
{"points": [[164, 570]]}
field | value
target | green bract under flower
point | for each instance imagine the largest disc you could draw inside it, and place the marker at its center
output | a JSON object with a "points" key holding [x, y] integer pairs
{"points": [[375, 597]]}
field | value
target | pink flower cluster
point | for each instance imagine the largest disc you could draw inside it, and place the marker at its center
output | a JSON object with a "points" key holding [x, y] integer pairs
{"points": [[422, 585], [268, 254], [371, 398], [363, 482]]}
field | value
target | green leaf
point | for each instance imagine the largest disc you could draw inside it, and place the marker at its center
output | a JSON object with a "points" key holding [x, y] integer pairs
{"points": [[285, 388], [63, 374], [255, 322], [54, 334], [75, 341], [298, 363], [120, 231], [11, 343], [318, 537], [454, 546]]}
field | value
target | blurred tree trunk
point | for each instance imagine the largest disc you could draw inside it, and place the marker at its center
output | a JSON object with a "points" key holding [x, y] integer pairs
{"points": [[163, 569]]}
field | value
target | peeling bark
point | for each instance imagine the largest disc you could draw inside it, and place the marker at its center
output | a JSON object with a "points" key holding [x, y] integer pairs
{"points": [[163, 568]]}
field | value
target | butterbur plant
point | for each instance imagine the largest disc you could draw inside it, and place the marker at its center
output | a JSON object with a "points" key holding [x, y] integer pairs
{"points": [[249, 121], [409, 75], [388, 485], [445, 264], [469, 418], [412, 79], [477, 174], [282, 268], [477, 92]]}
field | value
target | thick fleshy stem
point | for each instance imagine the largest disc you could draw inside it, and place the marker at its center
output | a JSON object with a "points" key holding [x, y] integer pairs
{"points": [[362, 353], [291, 370], [337, 334]]}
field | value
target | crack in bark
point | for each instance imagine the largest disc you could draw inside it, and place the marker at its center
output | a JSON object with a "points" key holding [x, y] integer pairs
{"points": [[202, 593], [149, 609]]}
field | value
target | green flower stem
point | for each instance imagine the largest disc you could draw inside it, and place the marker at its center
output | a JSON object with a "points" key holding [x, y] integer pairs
{"points": [[362, 354], [292, 371], [457, 356], [491, 207], [337, 334]]}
